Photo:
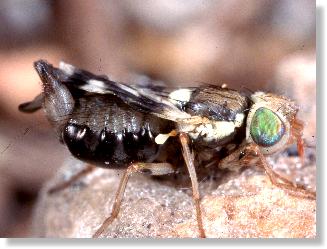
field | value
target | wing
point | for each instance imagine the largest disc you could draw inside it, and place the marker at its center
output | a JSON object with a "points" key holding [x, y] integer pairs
{"points": [[177, 104], [146, 97]]}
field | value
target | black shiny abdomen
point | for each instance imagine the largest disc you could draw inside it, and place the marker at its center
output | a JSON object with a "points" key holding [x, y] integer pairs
{"points": [[112, 135], [108, 148]]}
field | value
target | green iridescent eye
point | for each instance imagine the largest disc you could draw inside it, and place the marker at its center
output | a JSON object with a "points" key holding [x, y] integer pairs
{"points": [[266, 127]]}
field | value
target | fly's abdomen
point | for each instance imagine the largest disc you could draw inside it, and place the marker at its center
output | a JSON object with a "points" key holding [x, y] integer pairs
{"points": [[110, 149], [110, 134]]}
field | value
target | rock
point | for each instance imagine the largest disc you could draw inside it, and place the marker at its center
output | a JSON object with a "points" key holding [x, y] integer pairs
{"points": [[258, 212], [244, 205]]}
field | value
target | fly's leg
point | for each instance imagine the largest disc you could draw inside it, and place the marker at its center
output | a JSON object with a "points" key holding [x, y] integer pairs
{"points": [[147, 168], [249, 155], [297, 132], [300, 149], [189, 160], [282, 182], [88, 169], [238, 159], [246, 156]]}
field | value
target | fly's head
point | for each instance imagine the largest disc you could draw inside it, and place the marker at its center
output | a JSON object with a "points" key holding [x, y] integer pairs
{"points": [[271, 126], [271, 123]]}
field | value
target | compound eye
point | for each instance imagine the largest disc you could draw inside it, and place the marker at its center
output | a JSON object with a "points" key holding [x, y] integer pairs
{"points": [[266, 127]]}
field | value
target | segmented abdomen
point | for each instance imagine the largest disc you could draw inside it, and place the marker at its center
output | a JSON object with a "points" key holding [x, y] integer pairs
{"points": [[110, 134]]}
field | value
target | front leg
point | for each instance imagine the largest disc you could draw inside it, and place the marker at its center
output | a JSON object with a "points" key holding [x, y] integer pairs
{"points": [[281, 182], [239, 158], [250, 155]]}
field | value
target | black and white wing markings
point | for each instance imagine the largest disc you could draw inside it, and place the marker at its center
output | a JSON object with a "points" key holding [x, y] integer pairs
{"points": [[150, 98], [144, 98], [176, 104]]}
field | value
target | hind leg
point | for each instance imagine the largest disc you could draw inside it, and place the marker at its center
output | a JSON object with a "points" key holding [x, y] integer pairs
{"points": [[147, 168], [60, 186]]}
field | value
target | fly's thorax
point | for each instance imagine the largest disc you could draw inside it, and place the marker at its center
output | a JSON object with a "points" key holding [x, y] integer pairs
{"points": [[269, 121], [214, 103]]}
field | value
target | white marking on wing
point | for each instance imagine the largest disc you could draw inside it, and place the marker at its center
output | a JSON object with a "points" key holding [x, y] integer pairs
{"points": [[128, 89], [183, 94], [97, 83], [67, 68], [93, 89]]}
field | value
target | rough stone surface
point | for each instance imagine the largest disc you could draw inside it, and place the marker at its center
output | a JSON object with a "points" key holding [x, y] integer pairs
{"points": [[243, 205]]}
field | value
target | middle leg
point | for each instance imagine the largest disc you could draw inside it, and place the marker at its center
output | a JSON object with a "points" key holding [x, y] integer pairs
{"points": [[189, 161]]}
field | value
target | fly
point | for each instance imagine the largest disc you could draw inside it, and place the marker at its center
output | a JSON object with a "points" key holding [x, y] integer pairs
{"points": [[131, 127]]}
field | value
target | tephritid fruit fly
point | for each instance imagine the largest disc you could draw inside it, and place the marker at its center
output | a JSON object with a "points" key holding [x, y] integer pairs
{"points": [[131, 127]]}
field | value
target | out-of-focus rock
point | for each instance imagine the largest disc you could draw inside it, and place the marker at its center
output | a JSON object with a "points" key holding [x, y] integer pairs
{"points": [[25, 140], [296, 77], [4, 197], [218, 41], [245, 205]]}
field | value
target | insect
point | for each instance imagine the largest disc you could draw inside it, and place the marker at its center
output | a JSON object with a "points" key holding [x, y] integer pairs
{"points": [[131, 127]]}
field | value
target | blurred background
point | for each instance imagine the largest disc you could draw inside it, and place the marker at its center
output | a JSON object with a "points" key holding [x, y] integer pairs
{"points": [[258, 44]]}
